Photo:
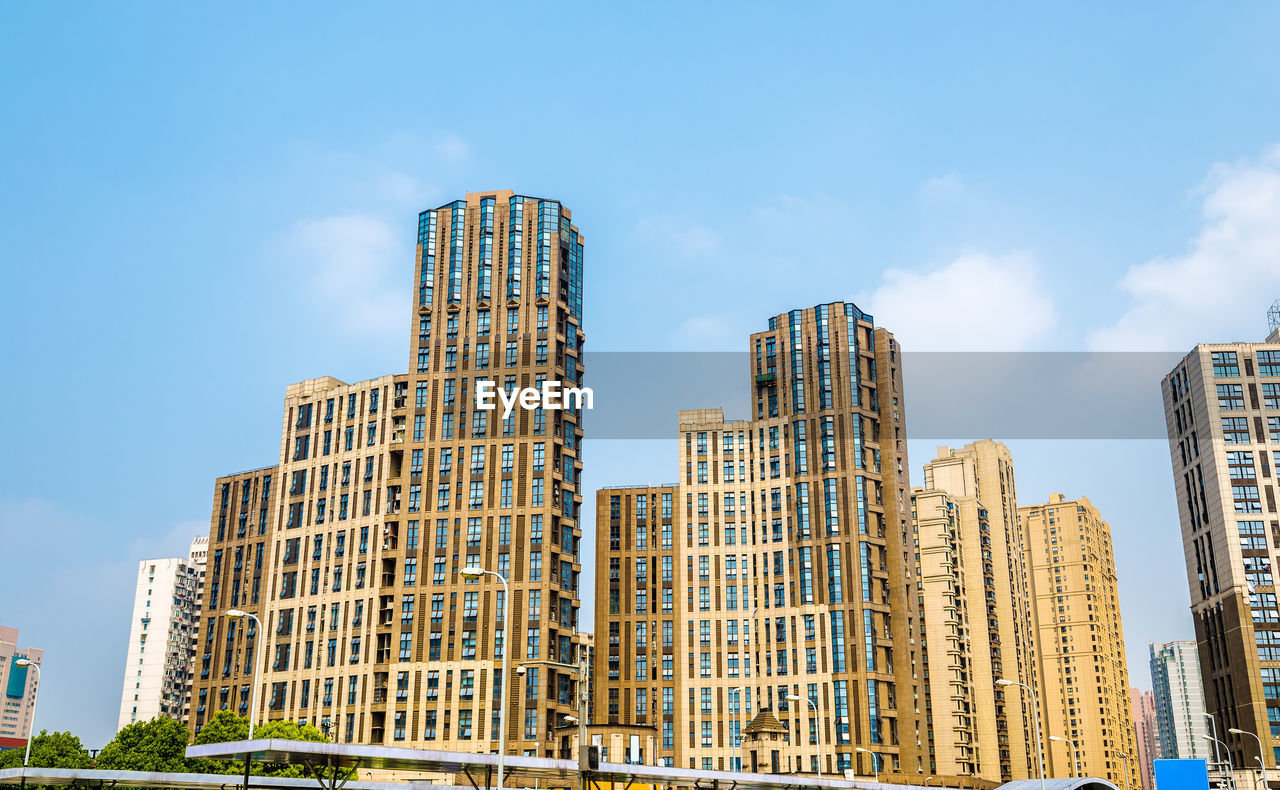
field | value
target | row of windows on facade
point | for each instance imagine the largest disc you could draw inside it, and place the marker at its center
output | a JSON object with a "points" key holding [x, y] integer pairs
{"points": [[793, 437], [430, 720], [1226, 364], [336, 651], [462, 321], [354, 402], [484, 359], [453, 426], [771, 500], [350, 440], [447, 498], [562, 573], [322, 545], [1235, 430]]}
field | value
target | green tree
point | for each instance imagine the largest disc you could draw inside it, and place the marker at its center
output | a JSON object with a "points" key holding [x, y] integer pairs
{"points": [[225, 726], [289, 731], [49, 750], [156, 745]]}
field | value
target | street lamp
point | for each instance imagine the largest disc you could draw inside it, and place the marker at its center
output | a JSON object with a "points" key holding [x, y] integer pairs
{"points": [[1124, 756], [927, 781], [742, 722], [1216, 744], [817, 724], [1254, 736], [1217, 758], [1035, 714], [472, 574], [1075, 757], [240, 614], [35, 697], [875, 760]]}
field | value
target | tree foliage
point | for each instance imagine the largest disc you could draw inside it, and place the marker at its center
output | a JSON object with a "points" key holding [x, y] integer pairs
{"points": [[160, 745], [156, 745], [49, 750]]}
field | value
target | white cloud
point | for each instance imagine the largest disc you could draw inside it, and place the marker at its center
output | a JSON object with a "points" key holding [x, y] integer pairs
{"points": [[708, 333], [677, 236], [941, 188], [1217, 290], [452, 148], [978, 302], [354, 266]]}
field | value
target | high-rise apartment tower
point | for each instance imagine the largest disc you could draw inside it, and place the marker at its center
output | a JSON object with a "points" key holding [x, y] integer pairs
{"points": [[776, 567], [166, 617], [350, 549], [1178, 698], [1083, 670], [1222, 412]]}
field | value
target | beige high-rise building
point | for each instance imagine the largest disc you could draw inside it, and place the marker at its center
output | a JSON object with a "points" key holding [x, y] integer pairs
{"points": [[777, 566], [350, 549], [951, 654], [1222, 412], [979, 479], [1084, 674]]}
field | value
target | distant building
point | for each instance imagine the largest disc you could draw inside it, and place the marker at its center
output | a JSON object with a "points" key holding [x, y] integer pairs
{"points": [[990, 579], [1179, 701], [19, 684], [166, 616], [1144, 720], [1084, 674]]}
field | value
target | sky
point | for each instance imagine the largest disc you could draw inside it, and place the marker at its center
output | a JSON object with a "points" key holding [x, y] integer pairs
{"points": [[202, 203]]}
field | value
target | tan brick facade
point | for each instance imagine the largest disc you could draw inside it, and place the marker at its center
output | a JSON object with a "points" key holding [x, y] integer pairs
{"points": [[387, 488], [780, 567]]}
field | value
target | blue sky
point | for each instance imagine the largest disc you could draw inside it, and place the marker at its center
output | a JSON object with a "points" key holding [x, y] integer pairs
{"points": [[203, 203]]}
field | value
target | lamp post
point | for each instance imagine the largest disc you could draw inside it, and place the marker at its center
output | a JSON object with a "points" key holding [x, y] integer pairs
{"points": [[875, 760], [240, 614], [1217, 758], [817, 724], [1124, 756], [1216, 744], [1261, 762], [35, 698], [927, 780], [1035, 714], [474, 574], [581, 670], [1075, 756], [742, 723]]}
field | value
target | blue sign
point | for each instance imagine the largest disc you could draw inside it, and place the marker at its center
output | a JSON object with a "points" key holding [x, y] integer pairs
{"points": [[1181, 774]]}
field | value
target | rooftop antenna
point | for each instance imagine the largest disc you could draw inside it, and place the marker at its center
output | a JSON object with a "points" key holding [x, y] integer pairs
{"points": [[1273, 316]]}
